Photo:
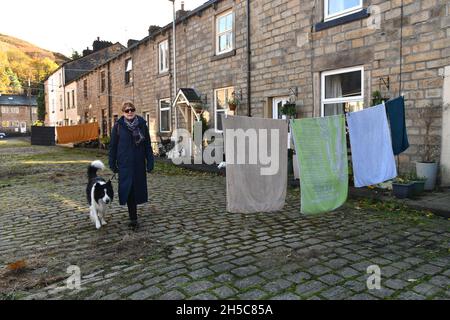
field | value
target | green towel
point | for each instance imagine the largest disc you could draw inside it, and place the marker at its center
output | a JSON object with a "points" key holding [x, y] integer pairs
{"points": [[322, 155]]}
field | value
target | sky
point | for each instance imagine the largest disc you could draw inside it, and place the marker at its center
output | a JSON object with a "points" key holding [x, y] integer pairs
{"points": [[63, 26]]}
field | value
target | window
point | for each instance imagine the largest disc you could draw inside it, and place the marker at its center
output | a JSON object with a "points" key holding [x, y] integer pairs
{"points": [[164, 115], [73, 98], [68, 100], [338, 8], [220, 105], [164, 56], [342, 91], [224, 33], [85, 88], [34, 110], [53, 105], [128, 70], [102, 81], [60, 103]]}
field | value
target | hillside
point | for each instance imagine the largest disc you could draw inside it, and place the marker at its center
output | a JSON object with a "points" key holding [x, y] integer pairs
{"points": [[21, 61], [8, 43]]}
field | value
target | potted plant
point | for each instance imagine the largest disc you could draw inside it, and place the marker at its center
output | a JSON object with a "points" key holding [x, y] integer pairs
{"points": [[233, 102], [429, 150], [419, 184], [198, 108], [402, 187], [289, 109]]}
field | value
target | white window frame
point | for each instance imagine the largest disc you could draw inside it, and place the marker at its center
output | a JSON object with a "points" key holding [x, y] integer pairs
{"points": [[345, 12], [325, 101], [226, 13], [163, 58], [168, 108], [129, 71], [224, 110]]}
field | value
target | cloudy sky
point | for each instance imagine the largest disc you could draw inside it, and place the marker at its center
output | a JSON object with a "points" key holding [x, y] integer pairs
{"points": [[63, 26]]}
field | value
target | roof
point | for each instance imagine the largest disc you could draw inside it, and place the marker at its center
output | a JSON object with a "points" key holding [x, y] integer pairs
{"points": [[183, 18], [191, 95], [77, 68], [17, 100]]}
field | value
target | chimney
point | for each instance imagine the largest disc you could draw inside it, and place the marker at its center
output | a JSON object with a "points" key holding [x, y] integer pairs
{"points": [[131, 42], [152, 29], [180, 13]]}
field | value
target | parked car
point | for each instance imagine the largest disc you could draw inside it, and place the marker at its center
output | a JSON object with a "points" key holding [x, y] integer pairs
{"points": [[2, 135]]}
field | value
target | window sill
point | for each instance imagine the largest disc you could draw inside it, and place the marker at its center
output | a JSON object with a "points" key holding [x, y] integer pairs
{"points": [[224, 55], [341, 20], [163, 74]]}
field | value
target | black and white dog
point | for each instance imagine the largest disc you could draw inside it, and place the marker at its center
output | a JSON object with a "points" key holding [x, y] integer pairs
{"points": [[99, 194]]}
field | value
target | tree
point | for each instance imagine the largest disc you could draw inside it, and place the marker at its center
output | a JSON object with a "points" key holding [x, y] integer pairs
{"points": [[14, 83], [75, 55], [41, 103]]}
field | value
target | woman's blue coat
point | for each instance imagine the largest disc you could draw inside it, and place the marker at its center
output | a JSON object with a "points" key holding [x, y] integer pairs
{"points": [[131, 161]]}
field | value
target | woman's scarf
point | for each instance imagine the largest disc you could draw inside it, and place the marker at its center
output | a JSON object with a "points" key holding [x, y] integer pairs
{"points": [[133, 126]]}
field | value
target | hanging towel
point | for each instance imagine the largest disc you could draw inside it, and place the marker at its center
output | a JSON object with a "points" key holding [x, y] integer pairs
{"points": [[395, 109], [255, 186], [322, 154], [370, 140]]}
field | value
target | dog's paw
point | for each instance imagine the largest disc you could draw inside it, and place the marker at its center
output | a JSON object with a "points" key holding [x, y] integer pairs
{"points": [[104, 222]]}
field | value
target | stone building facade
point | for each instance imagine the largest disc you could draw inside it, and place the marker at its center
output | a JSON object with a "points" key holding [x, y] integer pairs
{"points": [[328, 56], [17, 113]]}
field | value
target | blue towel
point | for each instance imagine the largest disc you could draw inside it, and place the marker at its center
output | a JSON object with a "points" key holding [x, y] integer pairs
{"points": [[370, 140], [395, 110]]}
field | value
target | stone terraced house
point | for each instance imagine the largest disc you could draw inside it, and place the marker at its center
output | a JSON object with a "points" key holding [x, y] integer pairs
{"points": [[329, 56]]}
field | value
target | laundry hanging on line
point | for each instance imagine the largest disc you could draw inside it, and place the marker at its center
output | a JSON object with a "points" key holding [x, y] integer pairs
{"points": [[370, 141], [248, 190], [322, 154], [395, 110]]}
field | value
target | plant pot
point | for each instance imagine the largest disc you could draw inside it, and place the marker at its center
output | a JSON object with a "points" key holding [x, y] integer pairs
{"points": [[418, 188], [402, 191], [429, 171], [232, 107]]}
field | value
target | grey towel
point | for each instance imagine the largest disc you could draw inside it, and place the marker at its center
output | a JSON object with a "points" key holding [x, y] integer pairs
{"points": [[256, 186]]}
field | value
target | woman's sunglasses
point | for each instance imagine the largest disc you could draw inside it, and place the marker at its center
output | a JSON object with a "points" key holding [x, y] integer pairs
{"points": [[129, 110]]}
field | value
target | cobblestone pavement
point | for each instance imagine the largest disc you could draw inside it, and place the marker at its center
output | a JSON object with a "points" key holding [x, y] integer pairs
{"points": [[188, 247]]}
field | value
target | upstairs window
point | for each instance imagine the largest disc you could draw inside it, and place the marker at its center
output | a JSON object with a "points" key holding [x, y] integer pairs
{"points": [[102, 81], [128, 71], [68, 100], [73, 98], [224, 32], [164, 56], [338, 8], [85, 88]]}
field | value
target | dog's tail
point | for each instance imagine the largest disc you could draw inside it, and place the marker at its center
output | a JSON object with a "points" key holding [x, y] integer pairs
{"points": [[93, 167]]}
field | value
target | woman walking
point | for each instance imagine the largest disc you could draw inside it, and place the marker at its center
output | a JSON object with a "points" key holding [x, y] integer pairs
{"points": [[131, 156]]}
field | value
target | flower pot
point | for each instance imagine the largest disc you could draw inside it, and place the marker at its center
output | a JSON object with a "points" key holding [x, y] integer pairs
{"points": [[429, 171], [418, 188], [402, 191], [232, 107]]}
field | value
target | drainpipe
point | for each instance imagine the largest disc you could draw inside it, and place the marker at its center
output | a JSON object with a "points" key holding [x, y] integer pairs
{"points": [[174, 48], [249, 89], [109, 99]]}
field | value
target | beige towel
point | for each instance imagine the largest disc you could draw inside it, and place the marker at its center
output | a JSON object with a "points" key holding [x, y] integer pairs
{"points": [[256, 186]]}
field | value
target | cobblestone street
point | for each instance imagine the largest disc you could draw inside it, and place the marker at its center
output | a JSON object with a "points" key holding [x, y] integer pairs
{"points": [[189, 247]]}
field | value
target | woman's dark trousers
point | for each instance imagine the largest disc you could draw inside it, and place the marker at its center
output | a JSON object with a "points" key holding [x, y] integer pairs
{"points": [[132, 206]]}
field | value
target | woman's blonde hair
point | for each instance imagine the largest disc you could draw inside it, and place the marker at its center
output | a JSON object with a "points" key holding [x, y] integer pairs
{"points": [[127, 104]]}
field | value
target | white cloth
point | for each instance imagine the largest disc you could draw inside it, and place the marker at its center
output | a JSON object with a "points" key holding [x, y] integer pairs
{"points": [[370, 139]]}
